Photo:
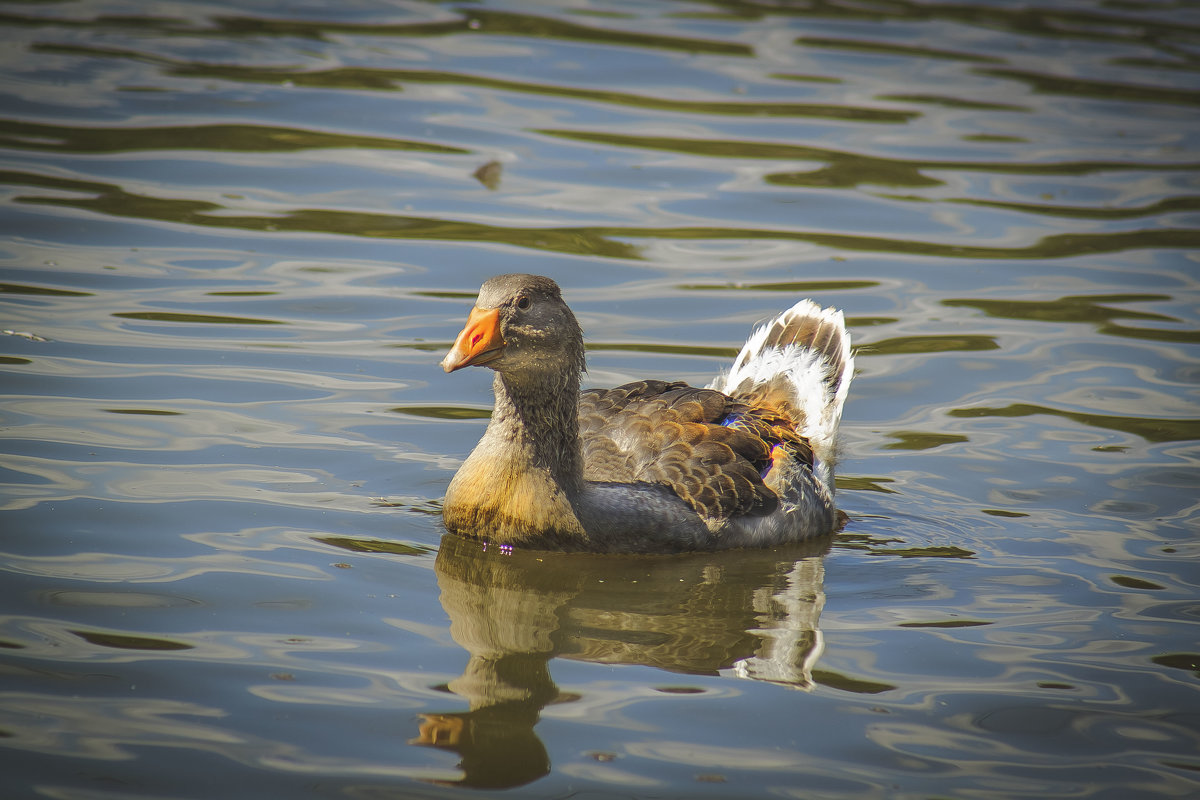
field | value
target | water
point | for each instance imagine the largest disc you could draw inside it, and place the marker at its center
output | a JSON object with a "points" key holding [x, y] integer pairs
{"points": [[238, 239]]}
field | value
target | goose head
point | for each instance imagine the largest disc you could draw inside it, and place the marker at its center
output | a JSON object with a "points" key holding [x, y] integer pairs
{"points": [[521, 328]]}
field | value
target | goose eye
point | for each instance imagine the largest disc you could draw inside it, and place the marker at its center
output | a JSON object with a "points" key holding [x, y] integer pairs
{"points": [[523, 302]]}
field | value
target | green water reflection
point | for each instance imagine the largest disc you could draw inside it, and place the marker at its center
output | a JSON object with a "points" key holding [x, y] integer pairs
{"points": [[204, 319], [232, 138], [368, 78], [1103, 90], [125, 641], [1091, 309], [595, 240], [895, 49], [1149, 428], [846, 169]]}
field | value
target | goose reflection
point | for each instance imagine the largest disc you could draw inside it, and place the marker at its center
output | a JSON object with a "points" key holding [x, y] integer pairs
{"points": [[752, 614]]}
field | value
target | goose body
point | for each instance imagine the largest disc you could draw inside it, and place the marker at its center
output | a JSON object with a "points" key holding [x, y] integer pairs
{"points": [[651, 466]]}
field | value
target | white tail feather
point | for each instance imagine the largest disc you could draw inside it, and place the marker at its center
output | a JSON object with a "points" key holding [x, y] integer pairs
{"points": [[809, 347]]}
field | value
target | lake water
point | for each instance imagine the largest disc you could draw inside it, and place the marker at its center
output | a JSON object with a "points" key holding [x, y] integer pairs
{"points": [[238, 238]]}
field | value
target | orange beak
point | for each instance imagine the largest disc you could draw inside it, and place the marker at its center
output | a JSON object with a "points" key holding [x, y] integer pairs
{"points": [[478, 343]]}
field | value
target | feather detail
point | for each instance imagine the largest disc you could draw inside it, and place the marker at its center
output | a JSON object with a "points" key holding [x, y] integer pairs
{"points": [[672, 434], [799, 365]]}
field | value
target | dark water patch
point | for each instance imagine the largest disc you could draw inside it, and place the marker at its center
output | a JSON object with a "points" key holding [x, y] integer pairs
{"points": [[948, 623], [596, 241], [137, 22], [241, 294], [1073, 308], [15, 360], [422, 346], [1025, 719], [845, 683], [1128, 582], [998, 138], [600, 13], [1050, 247], [1184, 661], [1045, 21], [922, 440], [443, 412], [1156, 63], [936, 551], [322, 30], [955, 102], [792, 76], [869, 322], [920, 345], [203, 319], [710, 777], [113, 200], [791, 287], [1153, 334], [40, 291], [392, 80], [862, 541], [1088, 309], [891, 49], [845, 169], [218, 138], [152, 412], [999, 512], [848, 170], [356, 545], [444, 295], [1148, 428], [123, 641], [417, 505], [859, 483], [1094, 89], [122, 599], [1134, 509], [1167, 205]]}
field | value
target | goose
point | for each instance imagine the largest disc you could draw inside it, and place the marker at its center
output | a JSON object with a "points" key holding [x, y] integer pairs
{"points": [[653, 466]]}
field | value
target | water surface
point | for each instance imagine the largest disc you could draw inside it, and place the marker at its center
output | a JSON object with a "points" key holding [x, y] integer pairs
{"points": [[238, 239]]}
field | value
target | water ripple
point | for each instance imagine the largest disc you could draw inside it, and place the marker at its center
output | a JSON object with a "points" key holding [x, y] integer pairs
{"points": [[238, 242]]}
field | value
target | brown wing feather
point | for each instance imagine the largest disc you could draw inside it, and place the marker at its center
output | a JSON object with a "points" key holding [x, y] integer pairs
{"points": [[708, 448]]}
